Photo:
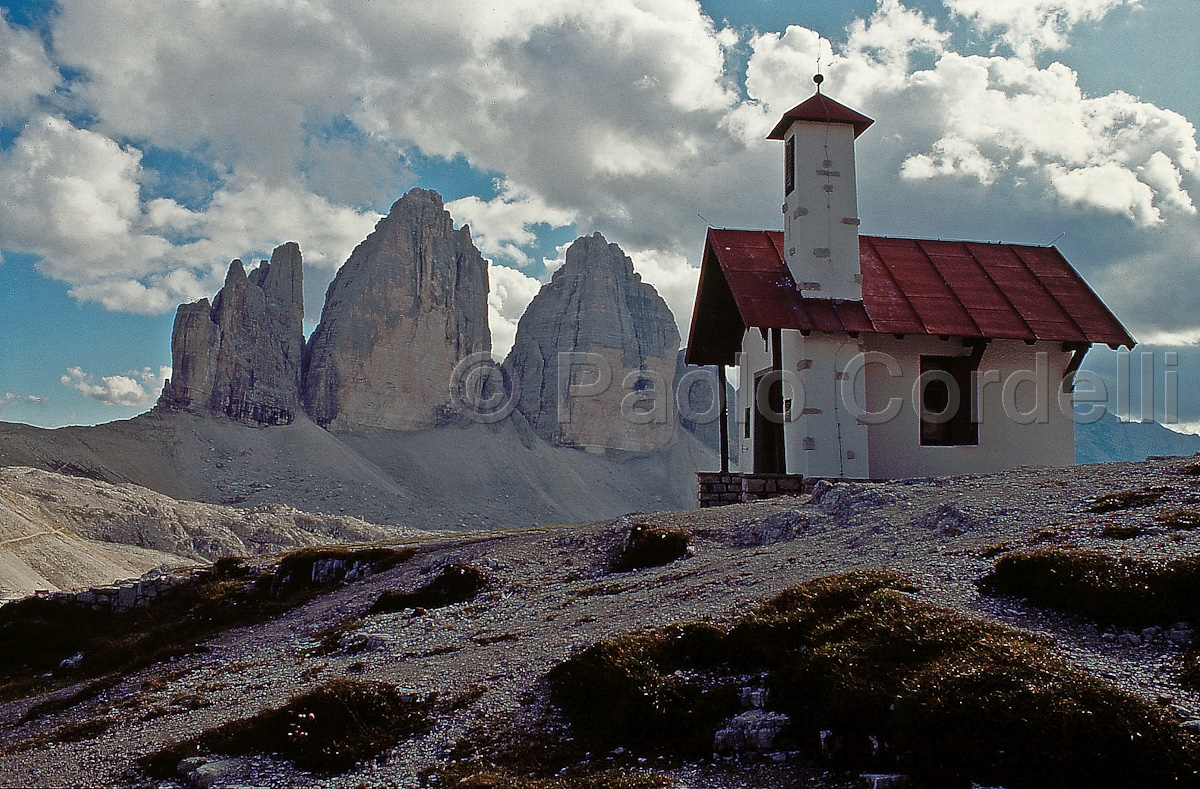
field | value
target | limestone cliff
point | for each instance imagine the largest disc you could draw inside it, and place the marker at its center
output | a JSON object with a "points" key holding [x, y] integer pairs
{"points": [[241, 356], [405, 308], [596, 304]]}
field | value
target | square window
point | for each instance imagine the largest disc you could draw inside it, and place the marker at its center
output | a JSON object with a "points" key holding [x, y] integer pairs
{"points": [[948, 393]]}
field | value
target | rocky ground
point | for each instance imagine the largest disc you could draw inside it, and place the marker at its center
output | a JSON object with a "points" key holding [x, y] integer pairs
{"points": [[550, 593], [59, 531], [459, 475]]}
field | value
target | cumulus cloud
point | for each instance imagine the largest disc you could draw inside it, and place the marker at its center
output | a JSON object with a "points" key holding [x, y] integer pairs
{"points": [[26, 72], [135, 389], [674, 278], [1004, 116], [500, 227], [1031, 26], [73, 196], [511, 291], [623, 117]]}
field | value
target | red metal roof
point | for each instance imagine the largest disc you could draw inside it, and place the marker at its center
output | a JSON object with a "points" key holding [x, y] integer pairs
{"points": [[910, 286], [822, 109]]}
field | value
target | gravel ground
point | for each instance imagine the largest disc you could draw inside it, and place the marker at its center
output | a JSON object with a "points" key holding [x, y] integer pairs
{"points": [[550, 595]]}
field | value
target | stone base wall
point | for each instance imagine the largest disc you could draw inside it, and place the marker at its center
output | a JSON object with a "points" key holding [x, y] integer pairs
{"points": [[715, 489], [126, 595]]}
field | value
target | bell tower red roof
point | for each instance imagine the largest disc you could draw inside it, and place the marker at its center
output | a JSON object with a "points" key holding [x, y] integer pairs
{"points": [[822, 109]]}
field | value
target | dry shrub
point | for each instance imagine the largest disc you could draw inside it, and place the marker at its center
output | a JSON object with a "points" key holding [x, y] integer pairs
{"points": [[1117, 531], [1093, 584], [897, 685], [627, 690], [456, 583], [1125, 499], [326, 731], [37, 634], [652, 546], [1179, 519]]}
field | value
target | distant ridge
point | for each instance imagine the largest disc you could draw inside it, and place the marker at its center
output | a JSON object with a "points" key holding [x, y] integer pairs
{"points": [[1109, 440]]}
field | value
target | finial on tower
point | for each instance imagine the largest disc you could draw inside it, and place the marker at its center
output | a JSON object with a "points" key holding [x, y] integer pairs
{"points": [[818, 78]]}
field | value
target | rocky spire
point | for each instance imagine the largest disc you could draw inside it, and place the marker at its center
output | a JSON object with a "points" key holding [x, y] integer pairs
{"points": [[405, 308], [241, 356], [597, 304]]}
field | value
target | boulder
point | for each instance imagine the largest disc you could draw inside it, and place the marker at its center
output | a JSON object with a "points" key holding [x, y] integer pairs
{"points": [[408, 305], [241, 355], [595, 355]]}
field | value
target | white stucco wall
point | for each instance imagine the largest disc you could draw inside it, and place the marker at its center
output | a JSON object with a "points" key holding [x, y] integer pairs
{"points": [[842, 446], [1024, 437], [837, 445], [820, 227]]}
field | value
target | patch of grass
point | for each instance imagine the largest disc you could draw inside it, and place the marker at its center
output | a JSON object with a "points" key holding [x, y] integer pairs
{"points": [[899, 685], [652, 546], [37, 634], [81, 730], [57, 704], [994, 550], [1117, 531], [456, 583], [330, 638], [626, 689], [1125, 499], [1179, 519], [326, 731], [78, 731], [1096, 585]]}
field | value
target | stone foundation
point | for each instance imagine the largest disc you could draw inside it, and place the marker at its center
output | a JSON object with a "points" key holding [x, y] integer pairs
{"points": [[716, 489]]}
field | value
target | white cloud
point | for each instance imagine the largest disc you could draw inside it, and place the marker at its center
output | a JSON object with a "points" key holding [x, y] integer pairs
{"points": [[134, 389], [500, 227], [621, 116], [26, 72], [11, 399], [1030, 26], [674, 278], [1003, 116], [74, 197], [511, 291]]}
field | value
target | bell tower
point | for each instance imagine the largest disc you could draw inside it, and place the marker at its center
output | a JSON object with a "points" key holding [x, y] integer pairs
{"points": [[820, 225]]}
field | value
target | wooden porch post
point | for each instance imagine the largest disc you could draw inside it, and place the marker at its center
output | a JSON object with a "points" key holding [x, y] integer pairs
{"points": [[724, 419]]}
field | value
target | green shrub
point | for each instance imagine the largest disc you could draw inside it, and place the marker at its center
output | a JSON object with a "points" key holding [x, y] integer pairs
{"points": [[895, 683], [456, 583], [651, 546], [1099, 586], [327, 730]]}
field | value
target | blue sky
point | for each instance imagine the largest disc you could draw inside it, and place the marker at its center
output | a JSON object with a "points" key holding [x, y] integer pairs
{"points": [[144, 144]]}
